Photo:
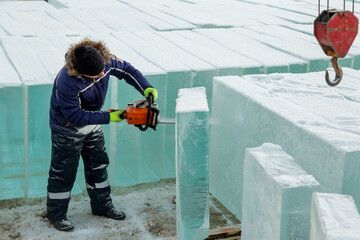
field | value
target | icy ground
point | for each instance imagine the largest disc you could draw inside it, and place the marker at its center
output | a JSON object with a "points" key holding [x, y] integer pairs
{"points": [[150, 209]]}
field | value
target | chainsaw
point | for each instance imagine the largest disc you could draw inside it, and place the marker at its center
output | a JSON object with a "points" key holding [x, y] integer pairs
{"points": [[142, 114]]}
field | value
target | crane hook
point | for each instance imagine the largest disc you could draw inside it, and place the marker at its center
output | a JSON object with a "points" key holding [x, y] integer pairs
{"points": [[338, 72]]}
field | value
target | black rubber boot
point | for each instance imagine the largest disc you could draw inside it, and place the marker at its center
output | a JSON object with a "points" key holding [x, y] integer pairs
{"points": [[63, 225], [113, 214]]}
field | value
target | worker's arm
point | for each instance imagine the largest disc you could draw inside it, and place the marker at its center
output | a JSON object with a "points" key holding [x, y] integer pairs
{"points": [[68, 96], [124, 70]]}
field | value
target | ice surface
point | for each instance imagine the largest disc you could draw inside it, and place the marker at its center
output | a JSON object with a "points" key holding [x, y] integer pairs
{"points": [[334, 216], [277, 195], [51, 58], [298, 38], [271, 59], [315, 124], [150, 10], [69, 21], [192, 164], [8, 75], [55, 25], [223, 64], [25, 60], [195, 17], [311, 53], [13, 27], [88, 19], [29, 22], [24, 6]]}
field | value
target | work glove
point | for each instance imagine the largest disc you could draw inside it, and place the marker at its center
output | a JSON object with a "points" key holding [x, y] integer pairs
{"points": [[151, 90], [115, 116]]}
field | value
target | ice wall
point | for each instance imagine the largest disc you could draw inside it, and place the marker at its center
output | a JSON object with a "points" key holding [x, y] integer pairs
{"points": [[313, 123], [334, 216], [276, 197], [192, 164]]}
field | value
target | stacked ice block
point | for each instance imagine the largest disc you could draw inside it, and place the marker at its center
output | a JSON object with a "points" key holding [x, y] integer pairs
{"points": [[12, 179], [277, 195], [176, 44], [334, 216], [192, 159], [317, 125]]}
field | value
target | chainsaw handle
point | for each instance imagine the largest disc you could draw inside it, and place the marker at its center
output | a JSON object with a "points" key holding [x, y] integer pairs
{"points": [[150, 98], [122, 115]]}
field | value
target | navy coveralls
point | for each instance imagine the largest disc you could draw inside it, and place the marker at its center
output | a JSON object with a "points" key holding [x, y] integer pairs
{"points": [[75, 119]]}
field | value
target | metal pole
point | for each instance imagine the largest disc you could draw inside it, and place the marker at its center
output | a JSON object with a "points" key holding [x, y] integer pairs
{"points": [[319, 7], [353, 5], [344, 5], [327, 5]]}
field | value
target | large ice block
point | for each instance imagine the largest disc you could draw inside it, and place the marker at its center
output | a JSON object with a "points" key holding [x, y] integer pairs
{"points": [[187, 12], [29, 22], [134, 166], [150, 10], [12, 172], [276, 197], [214, 57], [6, 6], [37, 70], [311, 53], [298, 38], [69, 21], [271, 60], [178, 76], [315, 124], [334, 216], [201, 71], [13, 27], [192, 172]]}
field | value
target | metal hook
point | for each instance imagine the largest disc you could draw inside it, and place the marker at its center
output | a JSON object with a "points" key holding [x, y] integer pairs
{"points": [[338, 72]]}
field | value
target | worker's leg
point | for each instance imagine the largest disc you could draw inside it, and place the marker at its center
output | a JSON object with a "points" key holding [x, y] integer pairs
{"points": [[65, 154], [95, 162]]}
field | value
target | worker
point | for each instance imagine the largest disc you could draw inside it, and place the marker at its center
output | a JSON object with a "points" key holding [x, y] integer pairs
{"points": [[78, 95]]}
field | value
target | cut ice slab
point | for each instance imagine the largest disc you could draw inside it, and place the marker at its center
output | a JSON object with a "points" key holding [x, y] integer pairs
{"points": [[312, 122], [192, 164], [334, 216], [277, 195]]}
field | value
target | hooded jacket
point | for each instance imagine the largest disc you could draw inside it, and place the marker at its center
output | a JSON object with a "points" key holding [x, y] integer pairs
{"points": [[76, 100]]}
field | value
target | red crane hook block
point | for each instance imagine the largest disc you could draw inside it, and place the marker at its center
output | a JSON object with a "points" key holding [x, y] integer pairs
{"points": [[335, 31]]}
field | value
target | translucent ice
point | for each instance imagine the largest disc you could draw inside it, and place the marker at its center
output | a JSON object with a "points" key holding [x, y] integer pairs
{"points": [[334, 216], [12, 170], [192, 172], [276, 197], [315, 124]]}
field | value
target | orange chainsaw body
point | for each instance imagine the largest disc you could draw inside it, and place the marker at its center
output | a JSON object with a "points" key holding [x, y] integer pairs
{"points": [[136, 116]]}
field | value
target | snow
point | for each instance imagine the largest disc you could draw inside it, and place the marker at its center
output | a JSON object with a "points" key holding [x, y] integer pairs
{"points": [[192, 100], [150, 210]]}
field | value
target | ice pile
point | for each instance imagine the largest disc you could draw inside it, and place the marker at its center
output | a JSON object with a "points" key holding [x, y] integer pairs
{"points": [[176, 44], [277, 195], [192, 164]]}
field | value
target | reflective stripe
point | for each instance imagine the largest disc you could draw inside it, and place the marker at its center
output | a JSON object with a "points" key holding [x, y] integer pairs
{"points": [[130, 76], [61, 195], [104, 184], [100, 167]]}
